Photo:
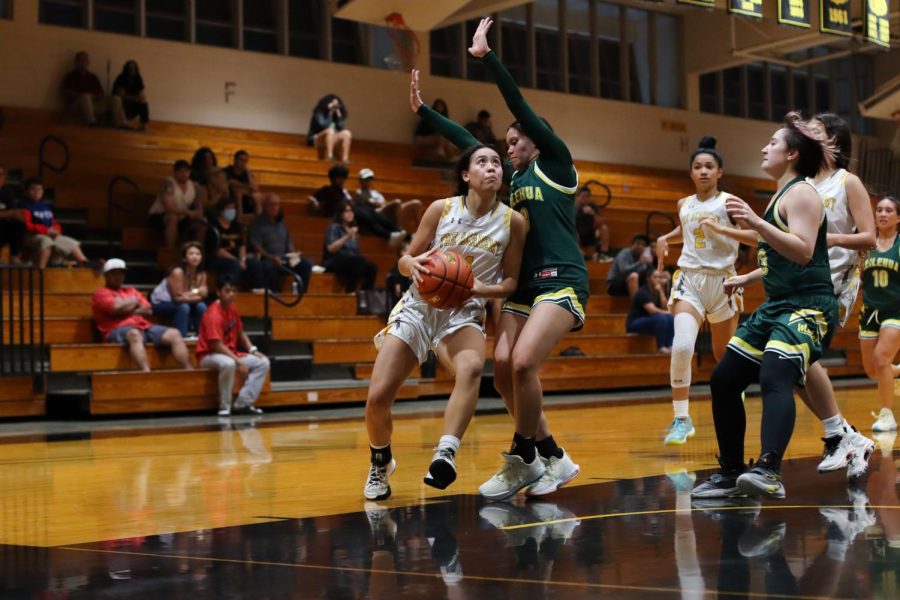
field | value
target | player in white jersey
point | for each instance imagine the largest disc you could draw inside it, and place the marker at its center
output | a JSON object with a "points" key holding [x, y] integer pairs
{"points": [[851, 228], [491, 236], [707, 260]]}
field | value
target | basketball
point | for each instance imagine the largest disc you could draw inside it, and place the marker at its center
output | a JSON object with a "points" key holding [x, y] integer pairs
{"points": [[449, 281]]}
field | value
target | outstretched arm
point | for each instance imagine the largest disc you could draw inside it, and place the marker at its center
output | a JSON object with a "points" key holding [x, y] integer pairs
{"points": [[458, 135], [555, 158]]}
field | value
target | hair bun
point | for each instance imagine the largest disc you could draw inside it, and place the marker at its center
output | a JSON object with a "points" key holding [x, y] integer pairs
{"points": [[707, 142]]}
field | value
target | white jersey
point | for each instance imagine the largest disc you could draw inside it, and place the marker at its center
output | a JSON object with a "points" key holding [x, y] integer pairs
{"points": [[833, 191], [183, 198], [481, 242], [703, 248]]}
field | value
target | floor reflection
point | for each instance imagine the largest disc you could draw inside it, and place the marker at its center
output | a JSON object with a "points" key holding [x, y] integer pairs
{"points": [[622, 539]]}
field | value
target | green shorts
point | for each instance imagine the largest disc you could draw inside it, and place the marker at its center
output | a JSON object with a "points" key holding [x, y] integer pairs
{"points": [[798, 329], [572, 298], [871, 320]]}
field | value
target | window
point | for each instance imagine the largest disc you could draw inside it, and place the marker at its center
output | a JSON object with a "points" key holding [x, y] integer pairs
{"points": [[578, 32], [260, 17], [668, 68], [446, 51], [306, 18], [638, 22], [514, 33], [69, 13], [346, 42], [5, 9], [779, 82], [609, 38], [117, 16], [709, 92], [215, 23], [167, 19], [756, 91], [734, 91], [475, 69], [548, 52]]}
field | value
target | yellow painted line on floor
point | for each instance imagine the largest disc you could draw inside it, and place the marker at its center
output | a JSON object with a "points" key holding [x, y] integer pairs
{"points": [[437, 575], [665, 511]]}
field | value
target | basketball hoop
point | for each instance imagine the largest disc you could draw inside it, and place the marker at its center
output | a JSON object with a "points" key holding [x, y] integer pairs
{"points": [[405, 43]]}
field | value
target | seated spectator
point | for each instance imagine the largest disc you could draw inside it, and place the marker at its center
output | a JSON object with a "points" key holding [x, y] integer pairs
{"points": [[12, 220], [593, 233], [85, 97], [272, 243], [180, 295], [397, 283], [129, 86], [43, 234], [243, 185], [215, 189], [481, 129], [649, 313], [224, 347], [202, 162], [396, 211], [226, 246], [120, 316], [329, 199], [327, 128], [628, 268], [433, 145], [368, 201], [342, 256], [177, 209]]}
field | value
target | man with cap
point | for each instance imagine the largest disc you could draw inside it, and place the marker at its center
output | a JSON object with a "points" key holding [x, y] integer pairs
{"points": [[120, 315], [371, 210]]}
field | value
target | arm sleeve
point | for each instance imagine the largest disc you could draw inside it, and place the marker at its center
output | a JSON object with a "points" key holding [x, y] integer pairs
{"points": [[555, 158], [334, 233], [454, 132], [31, 226], [104, 301]]}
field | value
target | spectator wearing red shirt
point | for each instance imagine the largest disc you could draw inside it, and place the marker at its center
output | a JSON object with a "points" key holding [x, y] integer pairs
{"points": [[43, 234], [120, 315], [85, 97], [221, 336]]}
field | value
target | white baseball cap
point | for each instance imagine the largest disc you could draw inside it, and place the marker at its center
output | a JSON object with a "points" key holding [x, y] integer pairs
{"points": [[366, 174], [113, 264]]}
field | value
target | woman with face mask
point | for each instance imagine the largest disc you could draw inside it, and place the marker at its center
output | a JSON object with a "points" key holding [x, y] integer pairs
{"points": [[227, 246]]}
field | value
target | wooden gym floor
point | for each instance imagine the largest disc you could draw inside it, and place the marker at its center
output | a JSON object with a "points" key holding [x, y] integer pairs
{"points": [[265, 508]]}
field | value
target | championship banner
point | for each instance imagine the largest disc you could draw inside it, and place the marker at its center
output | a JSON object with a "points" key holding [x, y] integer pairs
{"points": [[878, 26], [747, 8], [834, 17], [703, 3], [793, 12]]}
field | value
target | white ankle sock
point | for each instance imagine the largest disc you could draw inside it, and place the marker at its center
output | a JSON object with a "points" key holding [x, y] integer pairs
{"points": [[833, 425], [449, 441], [681, 408]]}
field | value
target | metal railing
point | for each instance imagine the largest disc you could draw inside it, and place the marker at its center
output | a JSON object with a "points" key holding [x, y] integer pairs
{"points": [[112, 204], [653, 233], [592, 184], [22, 347], [42, 160], [297, 296]]}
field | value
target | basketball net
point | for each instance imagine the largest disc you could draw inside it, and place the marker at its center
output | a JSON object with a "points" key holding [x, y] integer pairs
{"points": [[405, 43]]}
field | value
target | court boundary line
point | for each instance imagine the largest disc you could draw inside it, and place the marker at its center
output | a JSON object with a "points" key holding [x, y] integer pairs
{"points": [[437, 575]]}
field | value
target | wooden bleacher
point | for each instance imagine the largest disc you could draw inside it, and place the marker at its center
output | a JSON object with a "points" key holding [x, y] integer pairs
{"points": [[326, 319]]}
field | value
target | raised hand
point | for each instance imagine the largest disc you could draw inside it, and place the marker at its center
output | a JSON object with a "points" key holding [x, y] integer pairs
{"points": [[480, 46], [415, 94]]}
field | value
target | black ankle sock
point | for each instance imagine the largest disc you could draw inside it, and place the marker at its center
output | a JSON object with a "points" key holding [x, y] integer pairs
{"points": [[381, 456], [523, 447], [547, 447]]}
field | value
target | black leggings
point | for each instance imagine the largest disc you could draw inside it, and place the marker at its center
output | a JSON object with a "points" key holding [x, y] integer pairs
{"points": [[353, 270], [777, 378]]}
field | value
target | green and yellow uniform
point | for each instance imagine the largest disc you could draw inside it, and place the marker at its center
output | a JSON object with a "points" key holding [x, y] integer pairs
{"points": [[881, 291], [544, 193], [800, 313]]}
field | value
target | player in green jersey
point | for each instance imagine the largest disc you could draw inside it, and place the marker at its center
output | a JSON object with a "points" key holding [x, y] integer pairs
{"points": [[790, 330], [553, 286], [879, 321]]}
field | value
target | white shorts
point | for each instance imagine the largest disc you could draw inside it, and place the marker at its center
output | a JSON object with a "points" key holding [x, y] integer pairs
{"points": [[704, 291], [423, 327], [846, 289]]}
